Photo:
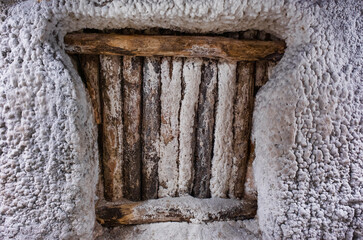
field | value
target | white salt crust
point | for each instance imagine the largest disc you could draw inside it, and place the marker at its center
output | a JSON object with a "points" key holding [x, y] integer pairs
{"points": [[231, 230], [223, 135], [191, 80], [169, 130], [307, 123]]}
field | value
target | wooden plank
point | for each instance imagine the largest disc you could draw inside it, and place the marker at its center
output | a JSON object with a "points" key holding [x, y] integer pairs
{"points": [[242, 124], [261, 66], [132, 82], [150, 127], [183, 209], [167, 45], [205, 127], [223, 134], [112, 126], [90, 66], [189, 104], [171, 74], [250, 191]]}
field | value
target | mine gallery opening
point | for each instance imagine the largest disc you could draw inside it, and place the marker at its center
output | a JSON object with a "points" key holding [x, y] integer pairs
{"points": [[174, 115]]}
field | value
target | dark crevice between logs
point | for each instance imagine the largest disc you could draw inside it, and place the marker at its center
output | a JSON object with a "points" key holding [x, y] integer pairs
{"points": [[179, 117], [204, 130]]}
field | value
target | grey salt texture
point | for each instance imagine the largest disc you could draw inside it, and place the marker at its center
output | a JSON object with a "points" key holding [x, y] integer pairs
{"points": [[307, 123]]}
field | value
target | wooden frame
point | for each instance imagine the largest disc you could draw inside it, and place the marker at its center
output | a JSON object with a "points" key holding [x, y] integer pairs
{"points": [[177, 46], [180, 209], [138, 99]]}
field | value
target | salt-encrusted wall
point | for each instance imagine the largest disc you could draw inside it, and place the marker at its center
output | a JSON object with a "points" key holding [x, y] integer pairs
{"points": [[307, 119]]}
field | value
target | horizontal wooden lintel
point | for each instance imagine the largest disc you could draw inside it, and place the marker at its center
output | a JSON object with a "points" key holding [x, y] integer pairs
{"points": [[182, 209], [178, 46]]}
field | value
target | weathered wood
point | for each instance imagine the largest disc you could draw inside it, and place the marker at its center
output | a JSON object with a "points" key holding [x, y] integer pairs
{"points": [[189, 104], [166, 45], [250, 191], [205, 127], [132, 76], [183, 209], [261, 66], [242, 124], [223, 134], [150, 127], [90, 66], [171, 73], [112, 126]]}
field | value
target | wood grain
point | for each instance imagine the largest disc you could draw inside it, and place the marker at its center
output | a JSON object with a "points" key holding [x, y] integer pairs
{"points": [[112, 126], [205, 127], [242, 124], [167, 45], [132, 76], [150, 127], [90, 65], [184, 209]]}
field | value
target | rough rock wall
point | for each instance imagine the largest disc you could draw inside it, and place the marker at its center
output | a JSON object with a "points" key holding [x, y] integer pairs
{"points": [[307, 119]]}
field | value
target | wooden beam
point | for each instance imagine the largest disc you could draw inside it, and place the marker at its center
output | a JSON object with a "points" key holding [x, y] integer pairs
{"points": [[242, 124], [132, 76], [182, 209], [150, 127], [242, 121], [91, 66], [167, 45], [205, 127], [110, 69]]}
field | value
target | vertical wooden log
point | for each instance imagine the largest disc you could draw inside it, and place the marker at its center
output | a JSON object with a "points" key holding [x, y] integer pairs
{"points": [[90, 67], [171, 70], [261, 66], [112, 126], [242, 124], [191, 82], [205, 127], [150, 127], [132, 81], [223, 149], [250, 191]]}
